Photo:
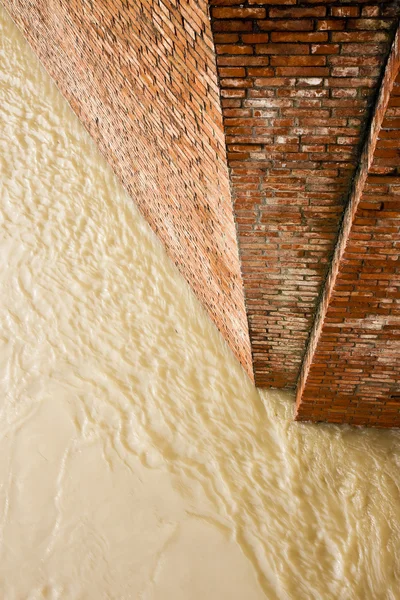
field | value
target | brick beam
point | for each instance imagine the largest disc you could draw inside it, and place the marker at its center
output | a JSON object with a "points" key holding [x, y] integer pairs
{"points": [[298, 82], [351, 368], [141, 76]]}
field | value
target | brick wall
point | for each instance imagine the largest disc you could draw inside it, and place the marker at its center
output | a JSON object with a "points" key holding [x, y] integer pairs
{"points": [[317, 219], [353, 374], [298, 81], [141, 76]]}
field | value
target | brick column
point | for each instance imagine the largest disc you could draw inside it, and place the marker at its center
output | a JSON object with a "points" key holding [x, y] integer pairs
{"points": [[141, 76], [351, 372], [298, 82]]}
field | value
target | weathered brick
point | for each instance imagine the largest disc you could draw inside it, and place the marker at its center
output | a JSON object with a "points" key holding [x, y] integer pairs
{"points": [[282, 49], [302, 71], [232, 72], [233, 49], [359, 36], [286, 25], [331, 25], [345, 11], [325, 49], [297, 13], [298, 61], [260, 72], [359, 380], [369, 24], [370, 11], [299, 36]]}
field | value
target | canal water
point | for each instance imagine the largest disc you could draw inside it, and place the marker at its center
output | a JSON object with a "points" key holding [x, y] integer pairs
{"points": [[137, 461]]}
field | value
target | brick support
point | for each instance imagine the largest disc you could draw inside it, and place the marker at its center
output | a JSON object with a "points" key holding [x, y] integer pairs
{"points": [[351, 368], [298, 81]]}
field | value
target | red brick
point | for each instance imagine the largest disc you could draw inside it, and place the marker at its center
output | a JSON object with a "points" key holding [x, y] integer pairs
{"points": [[302, 71], [345, 11], [234, 26], [297, 13], [238, 13], [260, 72], [236, 83], [370, 11], [362, 49], [331, 25], [143, 81], [325, 49], [232, 72], [306, 61], [233, 49], [295, 36], [286, 25], [243, 60], [360, 375], [359, 36], [282, 49], [369, 24], [266, 2], [255, 38], [226, 38]]}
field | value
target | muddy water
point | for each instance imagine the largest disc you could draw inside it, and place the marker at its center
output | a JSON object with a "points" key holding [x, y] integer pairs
{"points": [[136, 459]]}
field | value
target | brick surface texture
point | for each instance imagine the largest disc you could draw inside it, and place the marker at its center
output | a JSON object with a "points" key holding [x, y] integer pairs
{"points": [[354, 375], [298, 82], [280, 119], [141, 76]]}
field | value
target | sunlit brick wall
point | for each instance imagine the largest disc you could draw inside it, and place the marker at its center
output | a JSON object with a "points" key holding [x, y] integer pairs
{"points": [[141, 76]]}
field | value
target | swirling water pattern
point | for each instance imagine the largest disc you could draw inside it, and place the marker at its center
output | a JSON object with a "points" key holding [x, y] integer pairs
{"points": [[136, 459]]}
